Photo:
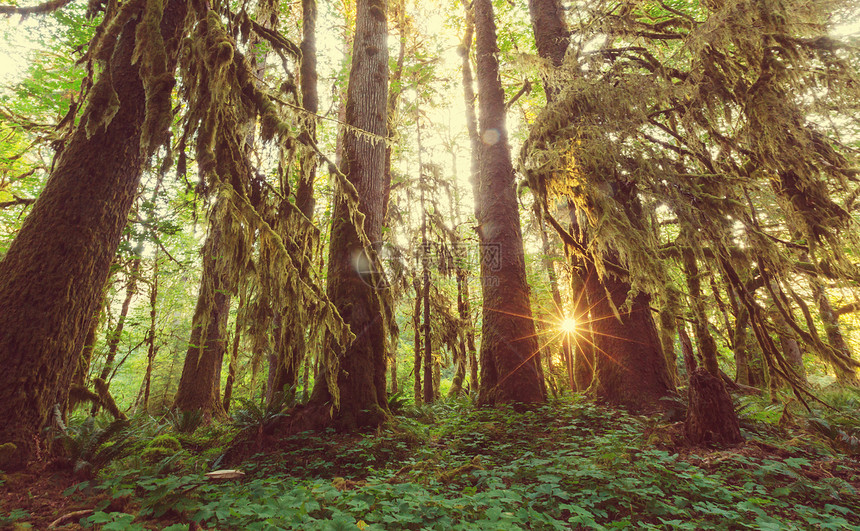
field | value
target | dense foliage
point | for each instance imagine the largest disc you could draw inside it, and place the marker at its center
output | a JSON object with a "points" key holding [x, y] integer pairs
{"points": [[322, 271]]}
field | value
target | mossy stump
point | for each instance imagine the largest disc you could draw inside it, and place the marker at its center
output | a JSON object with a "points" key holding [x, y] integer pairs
{"points": [[711, 419]]}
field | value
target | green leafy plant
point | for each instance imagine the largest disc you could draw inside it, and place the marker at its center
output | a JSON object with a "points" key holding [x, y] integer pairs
{"points": [[253, 414], [90, 447], [396, 402], [185, 421]]}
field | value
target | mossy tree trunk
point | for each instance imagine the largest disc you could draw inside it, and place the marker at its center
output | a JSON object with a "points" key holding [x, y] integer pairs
{"points": [[475, 148], [509, 350], [234, 359], [359, 369], [831, 329], [416, 328], [629, 367], [51, 278], [711, 417], [198, 388], [290, 332]]}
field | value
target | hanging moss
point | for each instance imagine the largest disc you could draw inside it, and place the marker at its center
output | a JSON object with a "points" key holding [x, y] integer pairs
{"points": [[720, 119]]}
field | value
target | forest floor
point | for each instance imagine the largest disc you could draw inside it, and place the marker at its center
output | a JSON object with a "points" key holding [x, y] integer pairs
{"points": [[452, 466]]}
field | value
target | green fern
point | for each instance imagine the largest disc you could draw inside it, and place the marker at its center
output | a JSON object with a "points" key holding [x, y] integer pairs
{"points": [[90, 447], [185, 421], [252, 414]]}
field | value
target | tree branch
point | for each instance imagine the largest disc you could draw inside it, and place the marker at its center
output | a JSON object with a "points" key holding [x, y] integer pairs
{"points": [[47, 7], [17, 201]]}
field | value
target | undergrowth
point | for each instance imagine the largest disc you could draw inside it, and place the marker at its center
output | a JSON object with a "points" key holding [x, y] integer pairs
{"points": [[452, 466]]}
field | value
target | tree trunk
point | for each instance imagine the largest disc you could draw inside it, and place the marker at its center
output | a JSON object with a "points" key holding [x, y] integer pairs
{"points": [[831, 329], [310, 101], [285, 362], [416, 327], [152, 349], [51, 278], [629, 367], [790, 347], [551, 37], [234, 358], [711, 417], [475, 144], [704, 339], [197, 386], [358, 372], [429, 394], [116, 334], [509, 349], [667, 341], [462, 349]]}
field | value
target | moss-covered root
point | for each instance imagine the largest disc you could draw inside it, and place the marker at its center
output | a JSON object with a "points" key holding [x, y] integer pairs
{"points": [[8, 453]]}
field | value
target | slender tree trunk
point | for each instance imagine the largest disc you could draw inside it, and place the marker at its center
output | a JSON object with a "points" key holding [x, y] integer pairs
{"points": [[51, 278], [358, 372], [831, 329], [116, 334], [475, 145], [234, 357], [395, 388], [306, 379], [152, 349], [310, 101], [461, 359], [197, 386], [790, 347], [667, 341], [704, 339], [509, 349], [429, 394], [416, 327], [739, 344]]}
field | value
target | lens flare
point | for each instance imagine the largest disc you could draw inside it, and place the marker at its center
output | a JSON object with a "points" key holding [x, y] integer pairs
{"points": [[568, 325]]}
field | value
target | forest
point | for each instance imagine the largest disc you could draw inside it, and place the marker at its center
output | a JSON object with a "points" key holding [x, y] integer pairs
{"points": [[393, 264]]}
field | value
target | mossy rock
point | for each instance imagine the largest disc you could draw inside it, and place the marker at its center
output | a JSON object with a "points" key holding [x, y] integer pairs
{"points": [[161, 447], [165, 440]]}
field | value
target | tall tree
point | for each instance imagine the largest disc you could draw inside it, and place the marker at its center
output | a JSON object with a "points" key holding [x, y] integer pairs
{"points": [[509, 350], [51, 279], [628, 348], [354, 377]]}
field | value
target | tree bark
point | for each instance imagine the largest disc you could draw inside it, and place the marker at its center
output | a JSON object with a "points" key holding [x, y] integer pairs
{"points": [[551, 38], [509, 349], [51, 278]]}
